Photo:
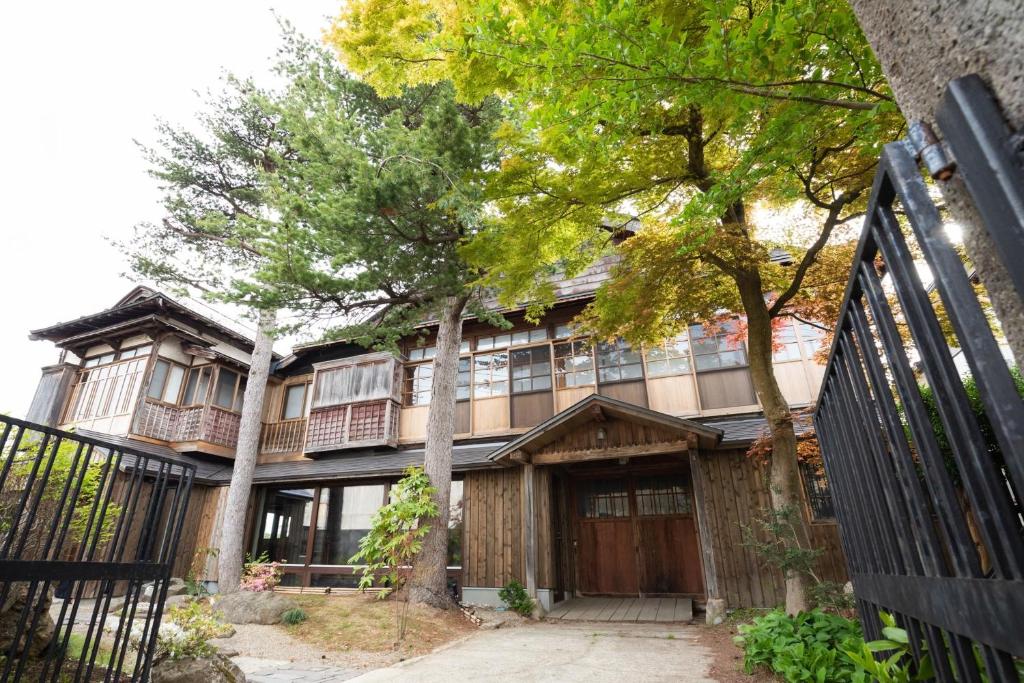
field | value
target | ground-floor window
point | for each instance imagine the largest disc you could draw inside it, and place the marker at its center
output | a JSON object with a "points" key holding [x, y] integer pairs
{"points": [[315, 532]]}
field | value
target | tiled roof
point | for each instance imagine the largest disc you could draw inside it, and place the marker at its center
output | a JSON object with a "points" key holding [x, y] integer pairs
{"points": [[207, 471], [740, 431], [365, 463]]}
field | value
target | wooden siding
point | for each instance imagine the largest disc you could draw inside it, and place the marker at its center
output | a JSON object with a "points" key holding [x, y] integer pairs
{"points": [[675, 395], [630, 392], [529, 410], [726, 389], [736, 490], [567, 397], [493, 553], [491, 415]]}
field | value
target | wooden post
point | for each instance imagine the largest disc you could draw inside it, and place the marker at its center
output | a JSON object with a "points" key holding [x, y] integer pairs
{"points": [[530, 533], [703, 526]]}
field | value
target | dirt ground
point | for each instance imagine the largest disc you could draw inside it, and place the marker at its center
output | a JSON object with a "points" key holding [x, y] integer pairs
{"points": [[727, 657]]}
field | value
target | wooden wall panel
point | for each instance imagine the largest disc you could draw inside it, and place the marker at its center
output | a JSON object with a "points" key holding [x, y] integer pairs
{"points": [[529, 410], [567, 397], [673, 395], [412, 423], [493, 514], [630, 392], [542, 500], [726, 389], [490, 415], [463, 418], [736, 491], [793, 382]]}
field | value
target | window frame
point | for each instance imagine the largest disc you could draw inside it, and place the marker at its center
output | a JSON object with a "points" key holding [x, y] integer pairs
{"points": [[408, 379], [303, 407], [240, 382], [719, 338], [163, 388], [618, 352], [671, 353], [491, 377], [559, 374], [550, 373]]}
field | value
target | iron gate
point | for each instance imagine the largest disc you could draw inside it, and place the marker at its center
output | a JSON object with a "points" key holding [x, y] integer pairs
{"points": [[927, 486], [88, 532]]}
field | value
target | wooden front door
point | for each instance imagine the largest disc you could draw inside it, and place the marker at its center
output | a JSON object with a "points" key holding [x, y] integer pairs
{"points": [[636, 535]]}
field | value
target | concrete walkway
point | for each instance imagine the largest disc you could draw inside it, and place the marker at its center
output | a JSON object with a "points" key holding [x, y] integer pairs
{"points": [[591, 652], [259, 670]]}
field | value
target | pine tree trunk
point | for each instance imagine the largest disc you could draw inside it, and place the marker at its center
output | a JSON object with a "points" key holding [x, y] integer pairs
{"points": [[784, 477], [429, 584], [232, 548]]}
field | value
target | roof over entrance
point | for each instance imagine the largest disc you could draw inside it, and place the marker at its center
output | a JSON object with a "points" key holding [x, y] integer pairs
{"points": [[599, 427]]}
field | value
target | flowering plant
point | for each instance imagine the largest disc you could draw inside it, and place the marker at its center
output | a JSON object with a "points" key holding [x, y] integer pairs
{"points": [[185, 631], [259, 574]]}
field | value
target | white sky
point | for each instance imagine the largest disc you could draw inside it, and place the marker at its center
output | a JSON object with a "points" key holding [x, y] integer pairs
{"points": [[78, 82]]}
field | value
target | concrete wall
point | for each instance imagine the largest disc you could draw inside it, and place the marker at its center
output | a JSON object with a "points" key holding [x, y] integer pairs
{"points": [[924, 44]]}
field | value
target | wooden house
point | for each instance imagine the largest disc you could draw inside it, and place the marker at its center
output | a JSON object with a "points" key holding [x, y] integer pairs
{"points": [[580, 468]]}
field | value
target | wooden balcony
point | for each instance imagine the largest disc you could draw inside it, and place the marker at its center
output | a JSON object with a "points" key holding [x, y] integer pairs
{"points": [[283, 437], [189, 424], [352, 425]]}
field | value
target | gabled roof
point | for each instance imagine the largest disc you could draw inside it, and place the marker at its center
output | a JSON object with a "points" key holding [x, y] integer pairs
{"points": [[140, 303], [594, 406]]}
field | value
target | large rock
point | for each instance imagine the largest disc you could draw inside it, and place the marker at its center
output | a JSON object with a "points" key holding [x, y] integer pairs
{"points": [[215, 669], [174, 587], [714, 611], [245, 607], [10, 616]]}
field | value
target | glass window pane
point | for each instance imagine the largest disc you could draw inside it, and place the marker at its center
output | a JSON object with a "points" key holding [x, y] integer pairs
{"points": [[225, 393], [662, 496], [156, 381], [603, 498], [455, 518], [284, 525], [175, 376], [190, 388], [294, 402], [240, 396], [342, 521]]}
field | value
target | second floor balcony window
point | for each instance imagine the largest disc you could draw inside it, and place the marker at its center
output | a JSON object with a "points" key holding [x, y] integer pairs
{"points": [[490, 375], [618, 362], [715, 351], [671, 357], [165, 382], [294, 405], [419, 380], [574, 364], [197, 387], [230, 390], [531, 370]]}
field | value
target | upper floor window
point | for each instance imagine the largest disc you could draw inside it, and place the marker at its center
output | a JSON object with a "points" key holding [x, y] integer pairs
{"points": [[495, 341], [671, 357], [538, 334], [422, 353], [464, 380], [105, 359], [531, 370], [812, 336], [785, 343], [419, 381], [490, 374], [166, 380], [293, 406], [618, 362], [230, 390], [714, 351], [574, 364], [566, 331], [197, 387], [135, 352]]}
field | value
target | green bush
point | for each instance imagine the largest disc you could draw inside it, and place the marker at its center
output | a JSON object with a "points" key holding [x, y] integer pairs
{"points": [[516, 598], [294, 616], [808, 647]]}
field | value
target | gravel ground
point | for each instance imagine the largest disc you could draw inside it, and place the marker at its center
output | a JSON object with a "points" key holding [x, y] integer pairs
{"points": [[272, 642]]}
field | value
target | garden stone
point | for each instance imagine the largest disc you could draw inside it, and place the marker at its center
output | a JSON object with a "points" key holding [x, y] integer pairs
{"points": [[245, 607], [174, 587], [714, 612], [10, 616], [116, 605], [215, 669]]}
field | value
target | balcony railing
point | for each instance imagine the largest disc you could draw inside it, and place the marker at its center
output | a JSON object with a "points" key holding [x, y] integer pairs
{"points": [[370, 423], [208, 423], [282, 437]]}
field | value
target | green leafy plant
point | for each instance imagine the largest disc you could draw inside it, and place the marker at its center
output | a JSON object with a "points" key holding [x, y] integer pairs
{"points": [[294, 616], [516, 598], [396, 537], [194, 584], [186, 631], [810, 646]]}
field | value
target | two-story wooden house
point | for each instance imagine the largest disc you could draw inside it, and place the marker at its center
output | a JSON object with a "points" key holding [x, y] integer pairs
{"points": [[580, 468]]}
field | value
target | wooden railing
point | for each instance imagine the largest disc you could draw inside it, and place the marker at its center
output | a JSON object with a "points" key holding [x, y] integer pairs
{"points": [[370, 423], [209, 423], [283, 437]]}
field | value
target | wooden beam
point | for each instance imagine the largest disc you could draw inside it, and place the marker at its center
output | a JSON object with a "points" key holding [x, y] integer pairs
{"points": [[530, 531], [703, 526], [556, 457], [519, 456], [597, 413]]}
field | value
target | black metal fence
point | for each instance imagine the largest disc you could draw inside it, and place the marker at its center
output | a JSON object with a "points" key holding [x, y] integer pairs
{"points": [[88, 532], [927, 476]]}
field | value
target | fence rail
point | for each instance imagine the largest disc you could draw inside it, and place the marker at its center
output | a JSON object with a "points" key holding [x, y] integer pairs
{"points": [[83, 522], [927, 491]]}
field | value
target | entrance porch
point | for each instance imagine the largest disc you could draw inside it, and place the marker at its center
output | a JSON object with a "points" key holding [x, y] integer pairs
{"points": [[629, 610]]}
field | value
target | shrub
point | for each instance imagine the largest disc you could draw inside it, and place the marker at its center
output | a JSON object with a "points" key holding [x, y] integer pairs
{"points": [[516, 598], [186, 631], [294, 616], [808, 647], [259, 574]]}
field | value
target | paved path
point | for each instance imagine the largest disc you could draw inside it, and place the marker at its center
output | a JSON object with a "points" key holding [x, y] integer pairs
{"points": [[258, 670], [564, 651], [663, 610]]}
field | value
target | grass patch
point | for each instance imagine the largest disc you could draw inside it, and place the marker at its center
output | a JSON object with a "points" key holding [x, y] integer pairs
{"points": [[348, 623], [77, 642]]}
